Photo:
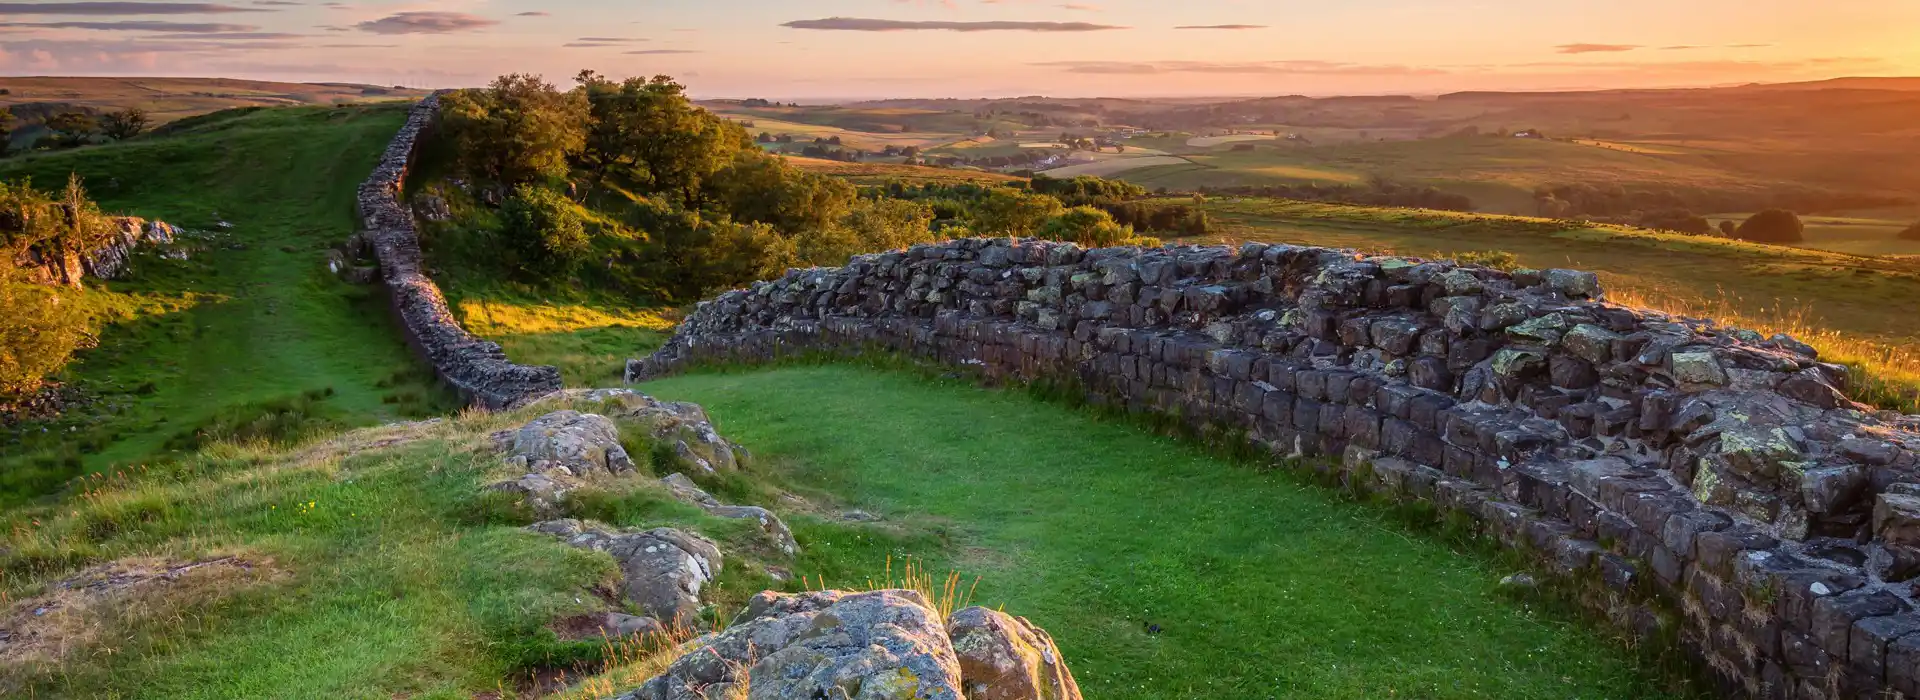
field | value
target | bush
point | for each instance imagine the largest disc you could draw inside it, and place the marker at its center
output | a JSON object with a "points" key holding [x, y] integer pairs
{"points": [[40, 328], [1009, 212], [545, 232], [1086, 226], [1496, 259], [1773, 226], [1912, 233], [1728, 228]]}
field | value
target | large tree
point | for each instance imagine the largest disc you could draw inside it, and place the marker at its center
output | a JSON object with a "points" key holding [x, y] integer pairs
{"points": [[125, 124], [1772, 226], [517, 130], [647, 135]]}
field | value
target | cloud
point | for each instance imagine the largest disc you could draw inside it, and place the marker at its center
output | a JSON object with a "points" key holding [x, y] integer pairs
{"points": [[119, 8], [1223, 26], [278, 3], [1236, 68], [139, 26], [535, 13], [660, 52], [855, 24], [1683, 47], [1081, 7], [1595, 48], [426, 23], [248, 36]]}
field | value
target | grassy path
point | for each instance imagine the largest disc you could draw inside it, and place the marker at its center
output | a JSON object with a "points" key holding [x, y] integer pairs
{"points": [[248, 328], [1260, 587]]}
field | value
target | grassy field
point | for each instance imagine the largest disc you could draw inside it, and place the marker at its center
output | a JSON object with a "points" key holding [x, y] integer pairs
{"points": [[1499, 174], [167, 99], [1872, 232], [1259, 586], [881, 173], [254, 327]]}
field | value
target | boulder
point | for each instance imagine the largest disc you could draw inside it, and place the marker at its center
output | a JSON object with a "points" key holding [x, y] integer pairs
{"points": [[1008, 658], [882, 645], [583, 444], [663, 569]]}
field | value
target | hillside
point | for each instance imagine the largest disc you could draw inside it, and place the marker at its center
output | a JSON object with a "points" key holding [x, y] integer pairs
{"points": [[174, 98]]}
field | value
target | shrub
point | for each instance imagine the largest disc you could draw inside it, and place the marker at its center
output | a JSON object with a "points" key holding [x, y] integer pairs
{"points": [[1772, 226], [1086, 226], [1496, 259], [40, 328], [1008, 212], [545, 232], [1912, 233], [1728, 228]]}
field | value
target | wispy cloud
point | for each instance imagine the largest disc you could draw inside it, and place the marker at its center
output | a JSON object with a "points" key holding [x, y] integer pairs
{"points": [[856, 24], [660, 52], [426, 23], [1233, 67], [1595, 48], [138, 26], [119, 8], [1223, 26]]}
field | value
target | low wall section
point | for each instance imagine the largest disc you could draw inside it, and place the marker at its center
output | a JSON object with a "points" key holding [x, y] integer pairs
{"points": [[1714, 486], [477, 368]]}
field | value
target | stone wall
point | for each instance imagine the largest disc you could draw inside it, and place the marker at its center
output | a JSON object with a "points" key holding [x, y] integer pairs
{"points": [[477, 368], [1706, 483]]}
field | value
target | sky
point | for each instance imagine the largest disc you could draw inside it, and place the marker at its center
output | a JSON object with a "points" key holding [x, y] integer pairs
{"points": [[848, 49]]}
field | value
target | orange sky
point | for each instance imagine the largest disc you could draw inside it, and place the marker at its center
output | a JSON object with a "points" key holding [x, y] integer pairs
{"points": [[792, 49]]}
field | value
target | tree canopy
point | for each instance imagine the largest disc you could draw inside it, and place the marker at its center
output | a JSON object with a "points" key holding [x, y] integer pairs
{"points": [[1772, 226]]}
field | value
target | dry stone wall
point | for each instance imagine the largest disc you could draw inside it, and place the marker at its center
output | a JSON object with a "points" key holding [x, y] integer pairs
{"points": [[477, 368], [1709, 484]]}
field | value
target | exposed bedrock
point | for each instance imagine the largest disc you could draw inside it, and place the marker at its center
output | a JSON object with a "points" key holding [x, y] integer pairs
{"points": [[476, 368], [1719, 478]]}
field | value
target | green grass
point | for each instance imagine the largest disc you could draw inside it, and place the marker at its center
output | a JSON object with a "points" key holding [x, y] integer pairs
{"points": [[1261, 587], [254, 319]]}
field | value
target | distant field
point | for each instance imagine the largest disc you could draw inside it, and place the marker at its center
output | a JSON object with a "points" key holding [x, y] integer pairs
{"points": [[1500, 174], [1117, 166], [880, 173], [1211, 141], [168, 99], [1861, 233]]}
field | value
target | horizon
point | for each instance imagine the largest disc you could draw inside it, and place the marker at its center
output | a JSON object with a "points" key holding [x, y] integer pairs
{"points": [[915, 49]]}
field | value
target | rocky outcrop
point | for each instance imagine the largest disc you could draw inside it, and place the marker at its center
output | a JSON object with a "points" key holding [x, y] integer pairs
{"points": [[559, 452], [112, 260], [879, 645], [683, 428], [476, 368], [772, 528], [1003, 657], [663, 569], [1718, 483]]}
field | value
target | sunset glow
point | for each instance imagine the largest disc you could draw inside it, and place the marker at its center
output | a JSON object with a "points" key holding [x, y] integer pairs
{"points": [[962, 48]]}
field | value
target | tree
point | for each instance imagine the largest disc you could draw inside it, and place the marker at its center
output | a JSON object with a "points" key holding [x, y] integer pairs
{"points": [[869, 226], [545, 233], [1728, 228], [1912, 233], [125, 124], [1772, 226], [71, 129], [517, 130], [6, 132], [764, 189], [648, 135]]}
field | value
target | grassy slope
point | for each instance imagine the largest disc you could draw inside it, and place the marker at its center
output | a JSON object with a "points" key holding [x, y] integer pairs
{"points": [[262, 320], [1261, 587]]}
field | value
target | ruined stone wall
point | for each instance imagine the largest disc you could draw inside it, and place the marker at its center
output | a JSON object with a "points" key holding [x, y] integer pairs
{"points": [[477, 368], [1708, 483]]}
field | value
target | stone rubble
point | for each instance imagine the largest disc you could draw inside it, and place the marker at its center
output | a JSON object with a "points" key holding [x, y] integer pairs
{"points": [[1724, 472], [771, 526]]}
